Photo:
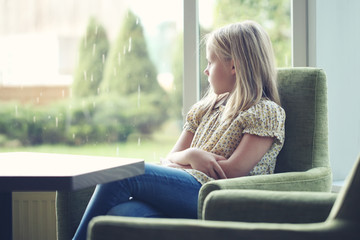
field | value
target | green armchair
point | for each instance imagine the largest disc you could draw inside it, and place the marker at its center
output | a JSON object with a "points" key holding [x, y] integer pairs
{"points": [[303, 163], [263, 214]]}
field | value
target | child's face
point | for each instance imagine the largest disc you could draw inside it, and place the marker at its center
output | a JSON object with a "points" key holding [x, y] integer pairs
{"points": [[221, 74]]}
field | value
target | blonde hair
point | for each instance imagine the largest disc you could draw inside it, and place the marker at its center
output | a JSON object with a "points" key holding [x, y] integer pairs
{"points": [[249, 46]]}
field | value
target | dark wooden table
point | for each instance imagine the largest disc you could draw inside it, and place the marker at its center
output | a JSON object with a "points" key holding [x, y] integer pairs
{"points": [[25, 171]]}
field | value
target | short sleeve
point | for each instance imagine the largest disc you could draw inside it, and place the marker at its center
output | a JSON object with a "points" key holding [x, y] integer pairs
{"points": [[266, 119], [193, 119]]}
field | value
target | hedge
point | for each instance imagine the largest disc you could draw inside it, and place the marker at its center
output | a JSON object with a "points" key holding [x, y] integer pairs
{"points": [[79, 121]]}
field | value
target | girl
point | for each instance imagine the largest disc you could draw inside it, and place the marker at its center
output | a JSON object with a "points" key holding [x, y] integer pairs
{"points": [[236, 130]]}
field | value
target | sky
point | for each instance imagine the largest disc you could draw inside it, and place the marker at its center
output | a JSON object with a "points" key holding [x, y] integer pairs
{"points": [[172, 10]]}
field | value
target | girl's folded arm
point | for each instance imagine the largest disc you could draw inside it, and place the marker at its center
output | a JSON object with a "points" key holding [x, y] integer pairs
{"points": [[247, 154]]}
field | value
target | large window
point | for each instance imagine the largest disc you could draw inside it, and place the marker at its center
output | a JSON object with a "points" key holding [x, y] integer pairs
{"points": [[91, 77], [105, 77]]}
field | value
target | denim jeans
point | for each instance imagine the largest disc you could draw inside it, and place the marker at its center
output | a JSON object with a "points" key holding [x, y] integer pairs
{"points": [[159, 192]]}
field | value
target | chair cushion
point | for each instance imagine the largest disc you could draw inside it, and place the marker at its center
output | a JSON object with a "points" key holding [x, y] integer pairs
{"points": [[303, 93]]}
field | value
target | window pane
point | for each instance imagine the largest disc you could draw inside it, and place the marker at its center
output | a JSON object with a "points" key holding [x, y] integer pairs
{"points": [[91, 76], [273, 15]]}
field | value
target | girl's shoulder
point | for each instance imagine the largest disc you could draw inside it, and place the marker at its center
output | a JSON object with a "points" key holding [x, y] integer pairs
{"points": [[193, 117], [265, 106], [263, 111], [266, 118]]}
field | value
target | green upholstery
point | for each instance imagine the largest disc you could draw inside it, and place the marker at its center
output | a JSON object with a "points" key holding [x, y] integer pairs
{"points": [[278, 216], [70, 207], [263, 206], [303, 163], [303, 93]]}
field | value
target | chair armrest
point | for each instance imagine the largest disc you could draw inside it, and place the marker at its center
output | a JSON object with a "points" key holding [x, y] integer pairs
{"points": [[114, 228], [268, 206], [316, 179], [70, 207]]}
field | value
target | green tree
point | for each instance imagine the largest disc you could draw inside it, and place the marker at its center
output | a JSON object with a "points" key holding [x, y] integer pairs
{"points": [[93, 51], [273, 15], [129, 68]]}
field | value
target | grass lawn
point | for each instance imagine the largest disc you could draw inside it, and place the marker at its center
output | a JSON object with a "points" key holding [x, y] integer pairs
{"points": [[150, 149]]}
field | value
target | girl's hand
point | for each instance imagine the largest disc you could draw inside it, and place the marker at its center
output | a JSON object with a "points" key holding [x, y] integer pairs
{"points": [[182, 156], [165, 162], [200, 160], [206, 162]]}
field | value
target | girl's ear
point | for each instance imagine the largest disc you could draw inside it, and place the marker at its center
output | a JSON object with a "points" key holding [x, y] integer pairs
{"points": [[233, 67]]}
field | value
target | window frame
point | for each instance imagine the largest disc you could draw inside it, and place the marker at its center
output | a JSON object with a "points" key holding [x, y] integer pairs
{"points": [[191, 80], [302, 44]]}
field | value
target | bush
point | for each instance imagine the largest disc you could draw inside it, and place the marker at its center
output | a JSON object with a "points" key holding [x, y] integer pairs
{"points": [[92, 120]]}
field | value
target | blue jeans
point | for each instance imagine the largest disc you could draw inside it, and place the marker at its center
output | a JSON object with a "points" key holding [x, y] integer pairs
{"points": [[160, 192]]}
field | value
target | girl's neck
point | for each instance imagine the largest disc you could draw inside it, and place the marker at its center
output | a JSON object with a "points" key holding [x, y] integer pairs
{"points": [[221, 100]]}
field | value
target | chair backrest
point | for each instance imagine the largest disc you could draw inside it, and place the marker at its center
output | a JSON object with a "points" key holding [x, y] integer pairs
{"points": [[303, 93], [347, 206]]}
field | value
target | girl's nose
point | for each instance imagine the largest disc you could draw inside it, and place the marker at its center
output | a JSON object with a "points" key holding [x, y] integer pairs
{"points": [[206, 72]]}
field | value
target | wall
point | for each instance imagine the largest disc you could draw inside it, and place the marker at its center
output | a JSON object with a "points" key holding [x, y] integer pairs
{"points": [[38, 95], [337, 29]]}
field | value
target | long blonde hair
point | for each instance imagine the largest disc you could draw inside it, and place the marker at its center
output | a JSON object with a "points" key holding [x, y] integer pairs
{"points": [[249, 46]]}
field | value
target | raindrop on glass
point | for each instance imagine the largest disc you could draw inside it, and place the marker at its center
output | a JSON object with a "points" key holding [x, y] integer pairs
{"points": [[119, 58], [130, 44], [139, 94], [56, 122], [94, 49], [139, 141]]}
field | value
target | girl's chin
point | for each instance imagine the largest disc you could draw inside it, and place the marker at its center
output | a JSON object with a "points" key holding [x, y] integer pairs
{"points": [[220, 92]]}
